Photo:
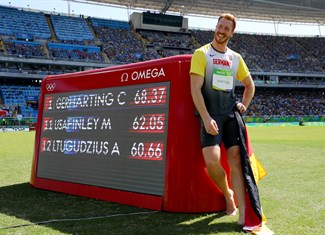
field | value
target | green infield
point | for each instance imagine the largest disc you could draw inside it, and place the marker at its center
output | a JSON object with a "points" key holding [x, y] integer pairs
{"points": [[292, 194]]}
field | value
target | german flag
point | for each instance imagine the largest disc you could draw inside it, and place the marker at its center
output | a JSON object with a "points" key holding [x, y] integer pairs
{"points": [[253, 171]]}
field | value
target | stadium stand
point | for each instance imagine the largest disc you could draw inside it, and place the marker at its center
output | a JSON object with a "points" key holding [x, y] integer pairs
{"points": [[268, 53], [168, 43], [20, 98], [285, 103], [25, 48], [75, 40], [71, 28], [74, 52], [109, 23], [120, 43], [288, 71], [22, 24]]}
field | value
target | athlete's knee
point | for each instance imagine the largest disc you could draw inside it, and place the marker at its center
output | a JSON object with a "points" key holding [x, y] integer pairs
{"points": [[234, 159], [212, 160]]}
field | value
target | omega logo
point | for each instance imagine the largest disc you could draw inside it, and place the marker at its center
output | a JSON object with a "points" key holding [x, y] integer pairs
{"points": [[144, 74]]}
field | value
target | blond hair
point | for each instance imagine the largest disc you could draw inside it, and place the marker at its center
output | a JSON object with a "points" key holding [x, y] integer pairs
{"points": [[230, 17]]}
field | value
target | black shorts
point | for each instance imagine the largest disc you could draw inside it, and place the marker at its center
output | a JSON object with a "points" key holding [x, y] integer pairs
{"points": [[228, 132]]}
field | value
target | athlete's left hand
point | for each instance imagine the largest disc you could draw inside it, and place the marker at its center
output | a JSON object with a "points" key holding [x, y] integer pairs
{"points": [[241, 107]]}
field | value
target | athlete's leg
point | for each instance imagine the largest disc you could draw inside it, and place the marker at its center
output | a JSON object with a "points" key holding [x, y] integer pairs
{"points": [[218, 175], [237, 180]]}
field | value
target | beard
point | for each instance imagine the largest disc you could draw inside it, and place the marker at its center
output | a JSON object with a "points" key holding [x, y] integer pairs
{"points": [[221, 38]]}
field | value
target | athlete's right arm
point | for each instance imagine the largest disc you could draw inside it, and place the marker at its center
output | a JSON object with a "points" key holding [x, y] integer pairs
{"points": [[196, 85]]}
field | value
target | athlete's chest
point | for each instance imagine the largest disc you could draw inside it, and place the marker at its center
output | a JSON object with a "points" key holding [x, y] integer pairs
{"points": [[219, 60], [220, 71]]}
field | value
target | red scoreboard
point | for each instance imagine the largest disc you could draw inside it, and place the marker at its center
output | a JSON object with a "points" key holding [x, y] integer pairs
{"points": [[125, 134]]}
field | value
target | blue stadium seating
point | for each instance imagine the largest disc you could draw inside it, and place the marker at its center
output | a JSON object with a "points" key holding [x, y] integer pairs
{"points": [[71, 28], [14, 95], [109, 23], [23, 24]]}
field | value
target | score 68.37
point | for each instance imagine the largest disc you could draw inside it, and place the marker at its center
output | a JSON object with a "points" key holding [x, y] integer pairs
{"points": [[151, 96]]}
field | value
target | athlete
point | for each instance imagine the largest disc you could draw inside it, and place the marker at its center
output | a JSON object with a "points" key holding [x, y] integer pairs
{"points": [[214, 68]]}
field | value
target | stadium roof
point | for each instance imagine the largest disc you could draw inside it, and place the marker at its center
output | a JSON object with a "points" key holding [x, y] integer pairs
{"points": [[295, 11]]}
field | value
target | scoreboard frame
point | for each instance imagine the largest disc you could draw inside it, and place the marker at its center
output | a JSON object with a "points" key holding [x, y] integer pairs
{"points": [[186, 186]]}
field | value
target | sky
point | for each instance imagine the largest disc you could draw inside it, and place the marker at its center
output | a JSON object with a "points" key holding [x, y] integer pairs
{"points": [[118, 13]]}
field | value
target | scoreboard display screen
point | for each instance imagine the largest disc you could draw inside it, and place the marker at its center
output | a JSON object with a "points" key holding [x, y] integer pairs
{"points": [[162, 19], [110, 137]]}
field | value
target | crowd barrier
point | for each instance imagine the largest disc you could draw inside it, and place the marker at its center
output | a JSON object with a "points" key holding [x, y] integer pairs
{"points": [[285, 124], [284, 119], [14, 121]]}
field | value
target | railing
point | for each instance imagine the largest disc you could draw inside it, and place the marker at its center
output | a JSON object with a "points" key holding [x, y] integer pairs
{"points": [[10, 121], [273, 119]]}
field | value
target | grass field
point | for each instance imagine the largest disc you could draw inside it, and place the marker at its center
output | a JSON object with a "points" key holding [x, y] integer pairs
{"points": [[292, 195]]}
